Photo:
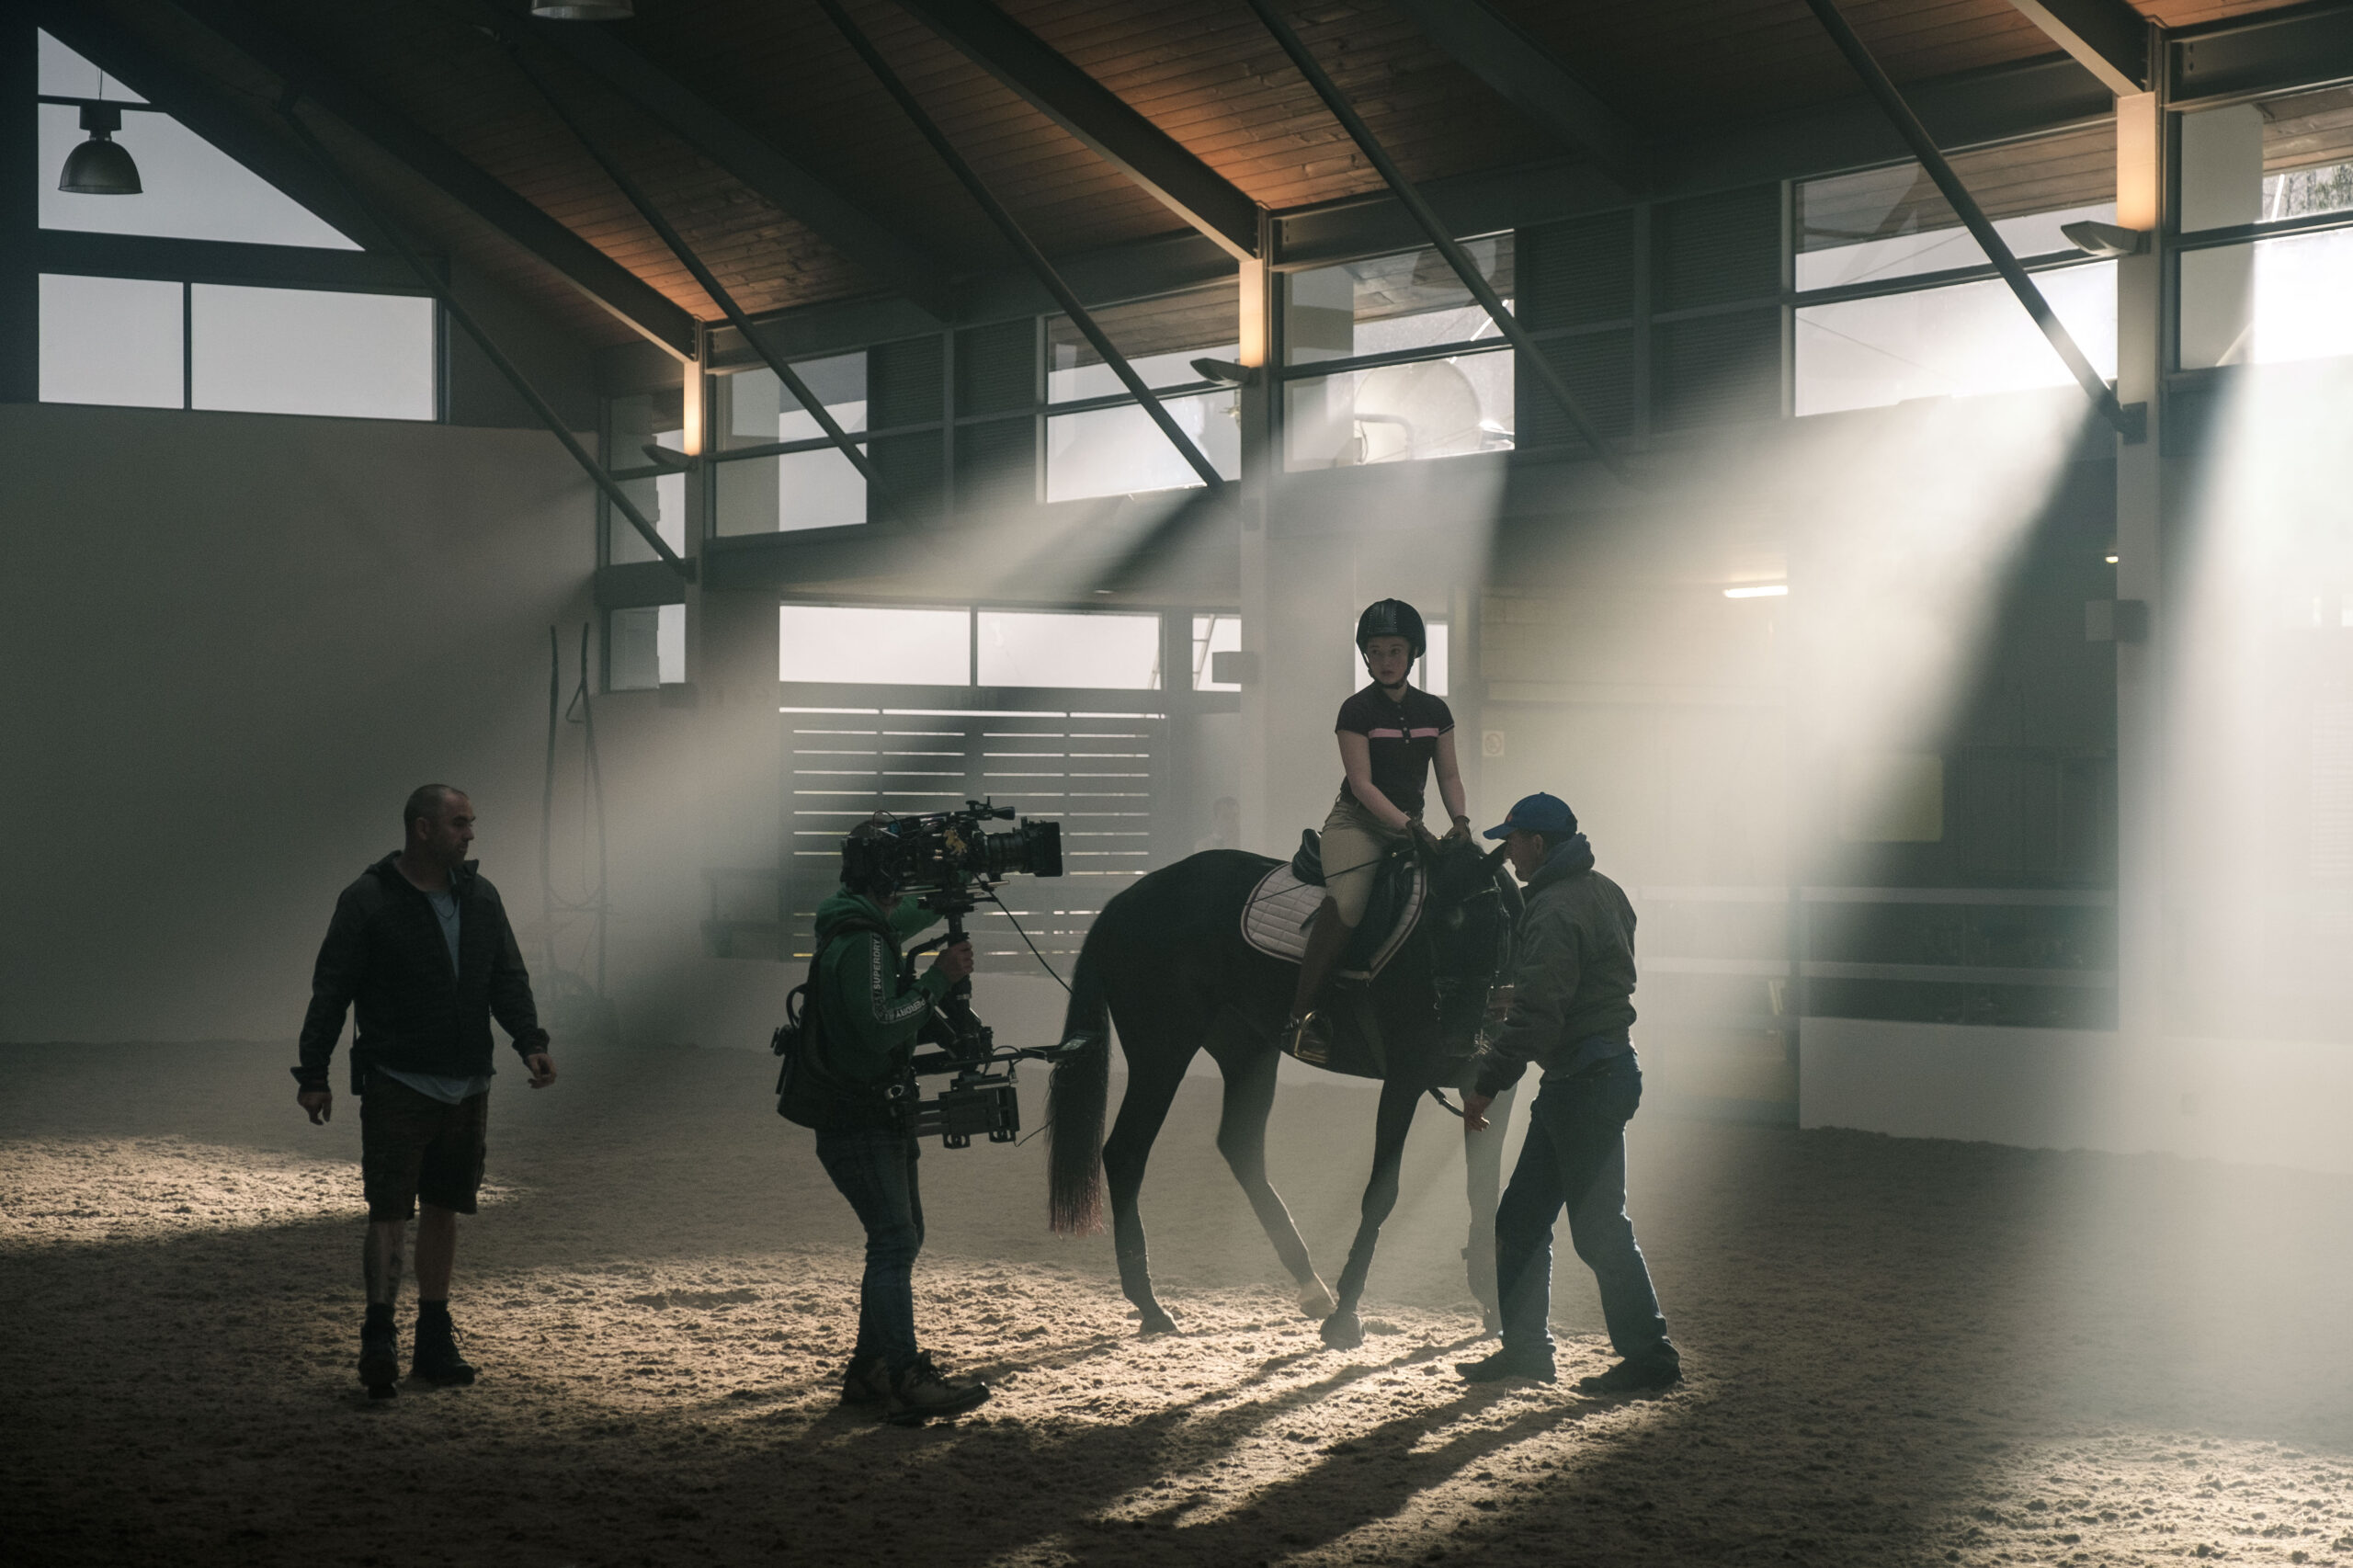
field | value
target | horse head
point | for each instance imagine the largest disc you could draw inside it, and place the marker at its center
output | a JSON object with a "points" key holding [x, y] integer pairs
{"points": [[1474, 905]]}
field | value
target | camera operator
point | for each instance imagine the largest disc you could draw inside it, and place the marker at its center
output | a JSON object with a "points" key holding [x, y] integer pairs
{"points": [[867, 1021]]}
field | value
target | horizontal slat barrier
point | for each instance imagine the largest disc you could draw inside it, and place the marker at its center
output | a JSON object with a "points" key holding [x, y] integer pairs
{"points": [[1092, 771]]}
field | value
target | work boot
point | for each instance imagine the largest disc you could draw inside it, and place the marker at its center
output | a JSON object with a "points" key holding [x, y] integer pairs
{"points": [[1534, 1365], [1646, 1374], [380, 1357], [919, 1394], [866, 1380], [436, 1359]]}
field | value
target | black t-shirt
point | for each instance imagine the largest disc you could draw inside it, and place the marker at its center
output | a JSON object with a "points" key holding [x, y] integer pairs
{"points": [[1404, 737]]}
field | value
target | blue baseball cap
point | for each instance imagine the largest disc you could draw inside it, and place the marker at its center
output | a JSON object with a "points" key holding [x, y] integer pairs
{"points": [[1538, 813]]}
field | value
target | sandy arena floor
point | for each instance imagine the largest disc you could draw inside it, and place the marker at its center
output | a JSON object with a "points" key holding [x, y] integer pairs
{"points": [[1899, 1352]]}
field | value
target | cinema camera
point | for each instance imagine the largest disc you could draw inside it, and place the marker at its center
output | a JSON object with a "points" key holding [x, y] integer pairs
{"points": [[948, 857]]}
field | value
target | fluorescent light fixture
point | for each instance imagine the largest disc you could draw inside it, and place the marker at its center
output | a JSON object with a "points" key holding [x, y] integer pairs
{"points": [[1759, 591]]}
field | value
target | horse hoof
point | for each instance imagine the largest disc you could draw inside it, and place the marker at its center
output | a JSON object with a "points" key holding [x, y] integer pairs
{"points": [[1156, 1322], [1316, 1301], [1343, 1331]]}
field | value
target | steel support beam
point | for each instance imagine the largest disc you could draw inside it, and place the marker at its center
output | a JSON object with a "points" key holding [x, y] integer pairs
{"points": [[628, 297], [458, 313], [1531, 357], [2107, 37], [219, 117], [1525, 76], [1095, 115], [2130, 423], [21, 177], [811, 403], [759, 165], [2305, 46], [1011, 229], [223, 261]]}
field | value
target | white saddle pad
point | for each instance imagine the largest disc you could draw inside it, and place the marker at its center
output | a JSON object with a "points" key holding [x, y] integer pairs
{"points": [[1276, 917]]}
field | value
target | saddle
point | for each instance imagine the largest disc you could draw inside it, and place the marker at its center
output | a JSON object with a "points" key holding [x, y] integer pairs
{"points": [[1275, 916]]}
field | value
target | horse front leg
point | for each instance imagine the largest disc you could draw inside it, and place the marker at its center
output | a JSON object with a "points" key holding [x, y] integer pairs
{"points": [[1482, 1161], [1344, 1330]]}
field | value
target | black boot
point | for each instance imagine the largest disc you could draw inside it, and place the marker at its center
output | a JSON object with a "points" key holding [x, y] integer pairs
{"points": [[437, 1360], [380, 1354], [921, 1393], [1536, 1366], [1308, 1035]]}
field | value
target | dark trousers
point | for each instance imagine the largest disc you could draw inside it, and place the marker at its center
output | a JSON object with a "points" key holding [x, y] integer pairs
{"points": [[1575, 1158], [875, 1169]]}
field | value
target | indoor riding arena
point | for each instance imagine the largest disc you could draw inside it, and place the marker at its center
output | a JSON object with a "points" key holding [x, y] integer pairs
{"points": [[747, 837]]}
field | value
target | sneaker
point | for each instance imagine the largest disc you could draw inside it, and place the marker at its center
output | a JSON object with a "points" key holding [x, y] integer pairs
{"points": [[1536, 1366], [1308, 1037], [920, 1394], [866, 1380], [380, 1360], [436, 1358], [1631, 1376]]}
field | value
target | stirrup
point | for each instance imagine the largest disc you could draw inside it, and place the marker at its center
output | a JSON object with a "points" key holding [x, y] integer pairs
{"points": [[1308, 1037]]}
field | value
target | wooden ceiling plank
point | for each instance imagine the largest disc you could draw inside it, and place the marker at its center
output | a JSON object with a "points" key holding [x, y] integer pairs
{"points": [[598, 276]]}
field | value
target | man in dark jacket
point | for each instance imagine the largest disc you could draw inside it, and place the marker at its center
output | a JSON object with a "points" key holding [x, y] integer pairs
{"points": [[421, 946], [867, 1015], [1572, 1008]]}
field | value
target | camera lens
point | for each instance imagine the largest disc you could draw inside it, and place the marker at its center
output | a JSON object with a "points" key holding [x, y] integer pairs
{"points": [[1035, 848]]}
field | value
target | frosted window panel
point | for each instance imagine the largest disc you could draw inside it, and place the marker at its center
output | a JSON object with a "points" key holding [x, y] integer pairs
{"points": [[66, 74], [670, 644], [875, 647], [759, 410], [819, 490], [663, 499], [1413, 300], [1043, 648], [1212, 635], [1435, 408], [2273, 300], [1120, 451], [112, 340], [648, 649], [311, 351], [1935, 250], [189, 188], [1957, 341]]}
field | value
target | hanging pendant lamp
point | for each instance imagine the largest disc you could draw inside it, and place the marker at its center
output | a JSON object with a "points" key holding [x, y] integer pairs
{"points": [[98, 166]]}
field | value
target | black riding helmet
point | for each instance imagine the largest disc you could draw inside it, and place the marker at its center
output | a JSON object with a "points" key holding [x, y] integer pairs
{"points": [[1393, 617]]}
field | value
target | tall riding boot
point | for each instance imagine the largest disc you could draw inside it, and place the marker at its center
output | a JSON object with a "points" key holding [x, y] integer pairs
{"points": [[1308, 1035]]}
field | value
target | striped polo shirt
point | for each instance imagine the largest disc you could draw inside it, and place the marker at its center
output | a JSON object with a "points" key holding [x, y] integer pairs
{"points": [[1404, 737]]}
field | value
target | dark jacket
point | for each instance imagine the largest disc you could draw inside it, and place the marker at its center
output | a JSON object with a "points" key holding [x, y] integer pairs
{"points": [[384, 952], [1572, 974], [870, 1021]]}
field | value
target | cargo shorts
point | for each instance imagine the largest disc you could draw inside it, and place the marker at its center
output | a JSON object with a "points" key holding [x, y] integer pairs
{"points": [[413, 1146]]}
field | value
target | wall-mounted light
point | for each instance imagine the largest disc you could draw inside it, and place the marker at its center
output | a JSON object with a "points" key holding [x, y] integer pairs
{"points": [[2105, 240], [1759, 591], [585, 10], [98, 166], [1226, 372]]}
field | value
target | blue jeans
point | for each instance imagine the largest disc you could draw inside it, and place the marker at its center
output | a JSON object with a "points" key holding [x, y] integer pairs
{"points": [[875, 1168], [1575, 1158]]}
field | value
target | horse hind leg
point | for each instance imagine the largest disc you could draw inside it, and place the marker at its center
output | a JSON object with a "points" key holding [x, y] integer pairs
{"points": [[1242, 1139], [1155, 1067]]}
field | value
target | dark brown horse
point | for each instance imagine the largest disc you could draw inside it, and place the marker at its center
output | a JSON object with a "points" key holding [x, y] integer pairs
{"points": [[1166, 962]]}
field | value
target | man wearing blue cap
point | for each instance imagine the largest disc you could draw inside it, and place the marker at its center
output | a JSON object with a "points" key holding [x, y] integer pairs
{"points": [[1572, 1008]]}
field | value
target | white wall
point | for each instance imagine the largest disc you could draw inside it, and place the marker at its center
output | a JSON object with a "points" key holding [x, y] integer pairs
{"points": [[232, 643], [2267, 1102]]}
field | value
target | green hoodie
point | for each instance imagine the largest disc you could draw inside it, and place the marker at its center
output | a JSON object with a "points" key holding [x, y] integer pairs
{"points": [[869, 1023]]}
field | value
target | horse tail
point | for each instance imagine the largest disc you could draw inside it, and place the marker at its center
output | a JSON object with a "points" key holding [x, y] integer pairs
{"points": [[1075, 1103]]}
